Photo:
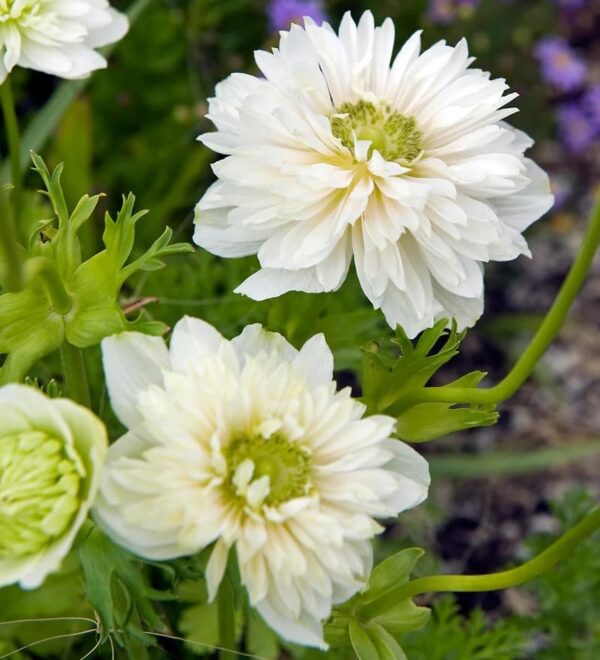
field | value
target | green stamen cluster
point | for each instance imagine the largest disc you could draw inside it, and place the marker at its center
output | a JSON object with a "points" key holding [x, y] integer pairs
{"points": [[39, 492], [285, 463], [12, 10], [395, 136]]}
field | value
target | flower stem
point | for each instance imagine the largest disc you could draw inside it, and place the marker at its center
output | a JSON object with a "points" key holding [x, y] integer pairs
{"points": [[75, 374], [14, 142], [226, 621], [544, 336], [513, 577]]}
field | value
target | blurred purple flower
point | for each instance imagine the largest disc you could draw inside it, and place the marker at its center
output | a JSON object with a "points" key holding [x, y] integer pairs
{"points": [[591, 103], [571, 4], [282, 13], [561, 189], [560, 64], [575, 127], [441, 12], [444, 12]]}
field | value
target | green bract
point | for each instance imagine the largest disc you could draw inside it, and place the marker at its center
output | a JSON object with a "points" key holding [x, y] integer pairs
{"points": [[51, 452], [65, 298]]}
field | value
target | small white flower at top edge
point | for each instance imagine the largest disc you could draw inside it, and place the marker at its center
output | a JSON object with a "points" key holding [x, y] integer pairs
{"points": [[58, 37]]}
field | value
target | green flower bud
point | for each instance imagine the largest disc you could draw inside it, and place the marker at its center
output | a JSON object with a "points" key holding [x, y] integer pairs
{"points": [[51, 451]]}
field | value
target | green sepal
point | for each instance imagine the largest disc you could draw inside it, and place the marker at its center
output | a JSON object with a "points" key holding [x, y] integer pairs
{"points": [[97, 282], [29, 329], [375, 636], [117, 589], [394, 368], [361, 641], [428, 421]]}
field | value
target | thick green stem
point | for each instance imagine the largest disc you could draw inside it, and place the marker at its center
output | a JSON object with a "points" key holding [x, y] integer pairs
{"points": [[543, 562], [226, 622], [547, 331], [14, 142], [75, 374]]}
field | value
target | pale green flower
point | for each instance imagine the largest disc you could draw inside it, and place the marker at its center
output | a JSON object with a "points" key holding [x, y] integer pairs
{"points": [[51, 452]]}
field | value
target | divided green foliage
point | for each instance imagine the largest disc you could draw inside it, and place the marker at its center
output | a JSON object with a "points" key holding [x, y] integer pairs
{"points": [[565, 622], [393, 368], [450, 636], [563, 608], [376, 636], [54, 252], [44, 613], [117, 588]]}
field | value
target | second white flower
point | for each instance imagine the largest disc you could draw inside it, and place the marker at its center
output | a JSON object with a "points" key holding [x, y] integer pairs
{"points": [[247, 444]]}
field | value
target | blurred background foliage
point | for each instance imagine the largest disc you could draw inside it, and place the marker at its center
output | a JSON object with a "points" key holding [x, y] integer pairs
{"points": [[133, 127]]}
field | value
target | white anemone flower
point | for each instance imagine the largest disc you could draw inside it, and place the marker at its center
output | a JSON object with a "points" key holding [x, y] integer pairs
{"points": [[247, 445], [340, 152], [57, 36], [51, 453]]}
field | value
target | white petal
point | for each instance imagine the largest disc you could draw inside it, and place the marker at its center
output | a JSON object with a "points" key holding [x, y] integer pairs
{"points": [[316, 361], [193, 341], [215, 569], [132, 362], [273, 282], [254, 340]]}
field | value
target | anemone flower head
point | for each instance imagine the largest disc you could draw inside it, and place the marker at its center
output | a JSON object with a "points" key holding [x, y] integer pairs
{"points": [[51, 453], [340, 152], [246, 445], [58, 37]]}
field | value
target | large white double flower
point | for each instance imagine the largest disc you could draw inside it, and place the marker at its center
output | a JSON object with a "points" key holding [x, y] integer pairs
{"points": [[340, 152], [57, 36], [246, 444]]}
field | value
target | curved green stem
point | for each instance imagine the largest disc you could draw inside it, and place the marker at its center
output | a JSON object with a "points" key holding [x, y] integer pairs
{"points": [[544, 336], [14, 142], [75, 374], [46, 269], [513, 577]]}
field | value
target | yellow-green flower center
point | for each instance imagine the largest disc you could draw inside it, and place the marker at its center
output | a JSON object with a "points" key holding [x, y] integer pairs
{"points": [[394, 135], [14, 10], [39, 492], [283, 462]]}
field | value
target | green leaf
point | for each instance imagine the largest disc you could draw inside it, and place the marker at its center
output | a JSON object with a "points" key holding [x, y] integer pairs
{"points": [[116, 588], [391, 572], [403, 617], [199, 624], [427, 421], [396, 367], [349, 624], [61, 595], [83, 210], [260, 639], [393, 367], [363, 645], [29, 329], [387, 647]]}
